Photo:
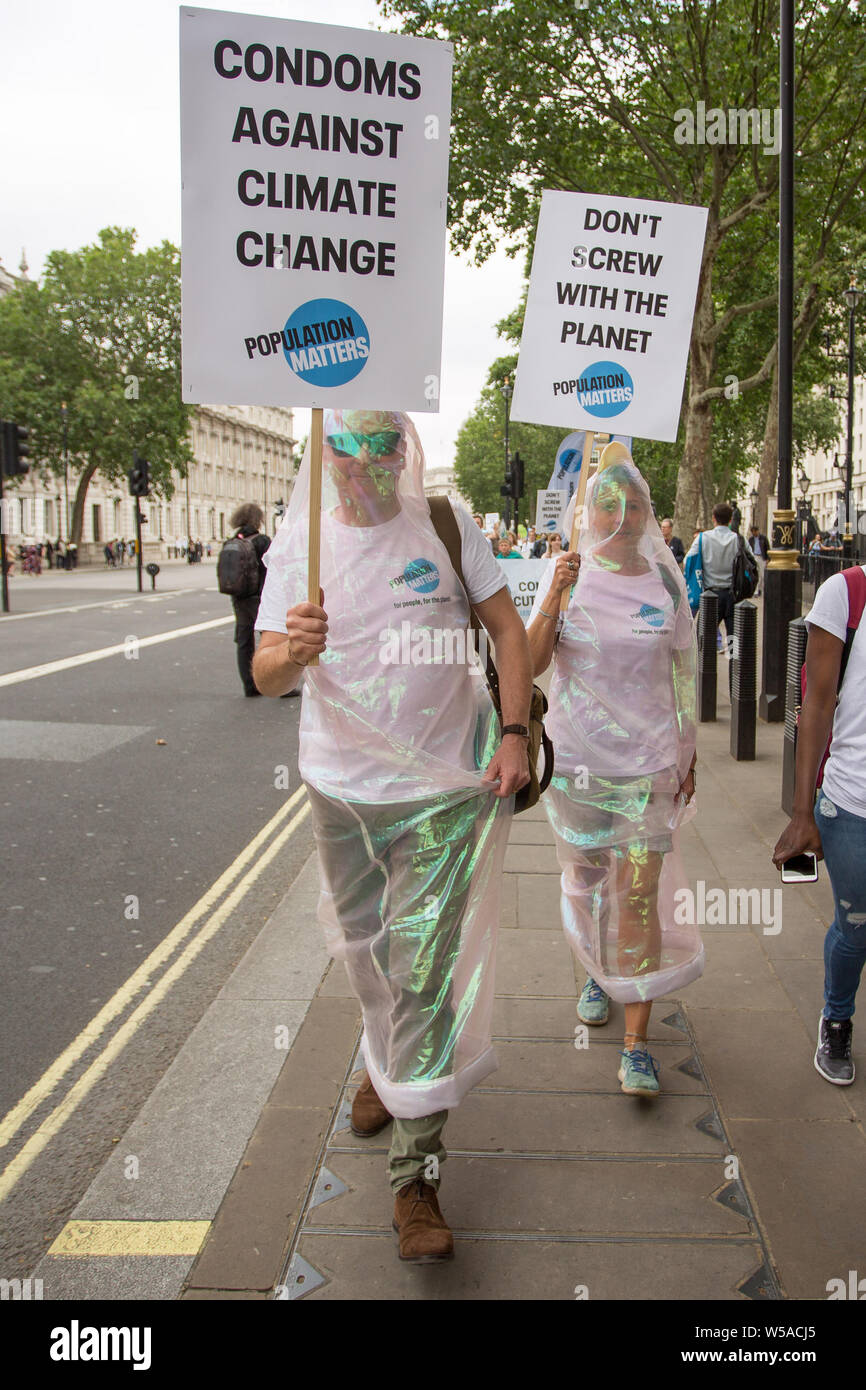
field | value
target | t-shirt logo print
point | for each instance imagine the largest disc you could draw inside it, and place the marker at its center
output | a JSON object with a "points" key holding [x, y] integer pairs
{"points": [[650, 614], [421, 575]]}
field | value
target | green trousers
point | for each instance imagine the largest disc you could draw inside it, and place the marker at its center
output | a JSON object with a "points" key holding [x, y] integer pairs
{"points": [[417, 1150]]}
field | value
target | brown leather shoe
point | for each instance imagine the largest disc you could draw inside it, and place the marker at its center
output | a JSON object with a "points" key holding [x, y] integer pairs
{"points": [[424, 1237], [368, 1113]]}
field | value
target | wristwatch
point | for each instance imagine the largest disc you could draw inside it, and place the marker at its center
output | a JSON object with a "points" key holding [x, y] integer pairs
{"points": [[516, 729]]}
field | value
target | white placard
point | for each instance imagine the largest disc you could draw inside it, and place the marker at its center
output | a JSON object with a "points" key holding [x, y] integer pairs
{"points": [[609, 314], [523, 577], [550, 503], [315, 174], [491, 520]]}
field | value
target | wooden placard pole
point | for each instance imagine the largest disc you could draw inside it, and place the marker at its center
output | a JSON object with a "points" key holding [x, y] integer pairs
{"points": [[315, 529], [588, 441]]}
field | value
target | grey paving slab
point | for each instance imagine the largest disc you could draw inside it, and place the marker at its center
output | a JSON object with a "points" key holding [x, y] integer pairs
{"points": [[288, 958], [760, 1066], [508, 901], [802, 934], [506, 1195], [367, 1268], [808, 1178], [190, 1135], [536, 964], [531, 859], [49, 741], [336, 984], [560, 1066], [738, 974], [557, 1018], [803, 982], [490, 1122], [530, 832], [538, 900], [122, 1277]]}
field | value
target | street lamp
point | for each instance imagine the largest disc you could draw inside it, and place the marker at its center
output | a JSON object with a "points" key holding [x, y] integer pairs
{"points": [[64, 415], [852, 297], [804, 482], [753, 498], [506, 390]]}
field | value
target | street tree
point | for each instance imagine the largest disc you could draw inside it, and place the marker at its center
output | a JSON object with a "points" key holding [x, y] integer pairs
{"points": [[614, 98], [101, 333]]}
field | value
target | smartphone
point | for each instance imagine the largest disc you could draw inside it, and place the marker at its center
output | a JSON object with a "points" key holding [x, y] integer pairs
{"points": [[800, 868]]}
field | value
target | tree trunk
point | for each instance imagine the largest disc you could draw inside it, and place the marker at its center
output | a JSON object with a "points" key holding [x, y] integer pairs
{"points": [[695, 472], [78, 504]]}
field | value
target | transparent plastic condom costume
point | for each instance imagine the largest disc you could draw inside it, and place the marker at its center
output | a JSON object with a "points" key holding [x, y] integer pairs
{"points": [[396, 728], [622, 720]]}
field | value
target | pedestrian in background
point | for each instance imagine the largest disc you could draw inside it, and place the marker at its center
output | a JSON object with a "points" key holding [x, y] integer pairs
{"points": [[719, 548], [246, 523], [676, 546], [833, 827], [761, 551]]}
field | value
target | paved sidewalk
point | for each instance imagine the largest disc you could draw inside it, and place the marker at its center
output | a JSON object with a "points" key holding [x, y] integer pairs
{"points": [[742, 1181]]}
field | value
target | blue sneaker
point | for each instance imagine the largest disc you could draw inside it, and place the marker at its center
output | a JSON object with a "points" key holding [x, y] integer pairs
{"points": [[639, 1073], [593, 1004]]}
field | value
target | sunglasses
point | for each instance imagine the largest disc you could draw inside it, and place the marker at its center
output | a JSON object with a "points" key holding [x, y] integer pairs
{"points": [[379, 445]]}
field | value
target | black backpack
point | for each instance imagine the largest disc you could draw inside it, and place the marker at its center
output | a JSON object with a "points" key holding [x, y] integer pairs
{"points": [[238, 568], [744, 576]]}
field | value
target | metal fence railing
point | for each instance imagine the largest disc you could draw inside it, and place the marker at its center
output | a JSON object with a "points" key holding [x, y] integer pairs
{"points": [[817, 568]]}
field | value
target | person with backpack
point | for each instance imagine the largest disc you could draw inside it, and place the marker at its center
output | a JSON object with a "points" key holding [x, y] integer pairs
{"points": [[832, 825], [726, 566], [622, 721], [241, 574], [410, 778]]}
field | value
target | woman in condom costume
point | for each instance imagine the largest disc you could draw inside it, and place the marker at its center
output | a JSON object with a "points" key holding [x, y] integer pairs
{"points": [[410, 780], [622, 720]]}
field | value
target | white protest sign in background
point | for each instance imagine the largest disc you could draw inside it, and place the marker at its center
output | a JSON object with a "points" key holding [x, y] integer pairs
{"points": [[609, 314], [315, 174], [523, 578], [550, 503], [491, 519]]}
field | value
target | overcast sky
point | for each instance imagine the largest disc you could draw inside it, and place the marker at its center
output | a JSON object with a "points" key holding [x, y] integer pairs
{"points": [[90, 118]]}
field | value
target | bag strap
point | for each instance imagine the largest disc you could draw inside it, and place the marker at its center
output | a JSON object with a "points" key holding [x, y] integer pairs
{"points": [[448, 531], [855, 583]]}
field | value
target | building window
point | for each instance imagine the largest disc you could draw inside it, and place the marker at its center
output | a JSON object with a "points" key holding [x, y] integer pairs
{"points": [[222, 526], [96, 521]]}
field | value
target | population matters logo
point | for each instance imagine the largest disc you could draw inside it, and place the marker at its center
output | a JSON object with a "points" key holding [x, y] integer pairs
{"points": [[325, 342]]}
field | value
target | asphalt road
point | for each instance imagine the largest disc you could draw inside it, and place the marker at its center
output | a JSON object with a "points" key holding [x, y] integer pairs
{"points": [[131, 783]]}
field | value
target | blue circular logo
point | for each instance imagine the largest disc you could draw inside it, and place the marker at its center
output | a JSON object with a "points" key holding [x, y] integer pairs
{"points": [[326, 342], [654, 616], [605, 389], [422, 576]]}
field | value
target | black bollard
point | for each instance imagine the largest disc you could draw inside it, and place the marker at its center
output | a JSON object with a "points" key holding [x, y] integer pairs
{"points": [[797, 634], [708, 627], [744, 687], [153, 571]]}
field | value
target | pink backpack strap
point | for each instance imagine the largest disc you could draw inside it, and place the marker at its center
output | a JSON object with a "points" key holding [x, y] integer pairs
{"points": [[855, 580]]}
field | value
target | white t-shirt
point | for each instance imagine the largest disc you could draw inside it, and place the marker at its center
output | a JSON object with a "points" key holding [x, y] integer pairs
{"points": [[390, 594], [845, 772], [612, 708]]}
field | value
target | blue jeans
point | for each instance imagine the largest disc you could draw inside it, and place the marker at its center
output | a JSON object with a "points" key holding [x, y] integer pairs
{"points": [[843, 838]]}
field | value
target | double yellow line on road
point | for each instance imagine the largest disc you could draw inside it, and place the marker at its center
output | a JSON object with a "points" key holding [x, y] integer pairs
{"points": [[139, 980]]}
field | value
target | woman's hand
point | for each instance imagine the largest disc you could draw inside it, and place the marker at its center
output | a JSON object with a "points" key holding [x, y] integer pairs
{"points": [[566, 572], [800, 837], [687, 786]]}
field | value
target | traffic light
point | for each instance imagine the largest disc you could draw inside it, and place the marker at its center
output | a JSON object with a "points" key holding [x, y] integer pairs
{"points": [[139, 476], [513, 486], [15, 449]]}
